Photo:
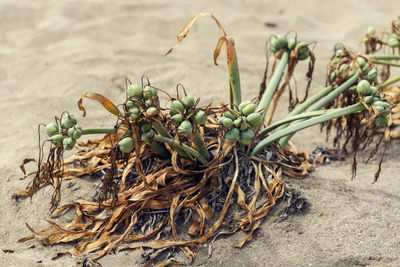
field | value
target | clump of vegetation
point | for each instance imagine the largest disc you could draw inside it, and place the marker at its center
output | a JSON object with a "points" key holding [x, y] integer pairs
{"points": [[172, 173]]}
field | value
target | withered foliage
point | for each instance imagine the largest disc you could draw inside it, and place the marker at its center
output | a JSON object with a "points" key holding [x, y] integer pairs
{"points": [[169, 202]]}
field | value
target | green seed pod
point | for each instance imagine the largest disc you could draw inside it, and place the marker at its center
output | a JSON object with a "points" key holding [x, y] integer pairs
{"points": [[148, 92], [232, 134], [227, 123], [382, 120], [189, 101], [134, 113], [393, 42], [243, 124], [381, 103], [177, 119], [365, 39], [303, 56], [368, 99], [126, 145], [68, 120], [339, 53], [281, 42], [69, 143], [145, 127], [373, 90], [229, 115], [250, 108], [151, 111], [237, 122], [244, 104], [334, 61], [57, 140], [148, 103], [302, 47], [371, 30], [332, 77], [379, 108], [255, 119], [274, 45], [372, 74], [343, 67], [291, 43], [200, 117], [246, 136], [134, 90], [177, 107], [185, 128], [364, 88], [77, 134], [147, 136], [361, 61], [130, 104], [51, 129], [365, 69]]}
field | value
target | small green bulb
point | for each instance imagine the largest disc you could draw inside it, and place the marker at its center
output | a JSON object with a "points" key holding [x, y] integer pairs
{"points": [[126, 145], [200, 117], [134, 90], [189, 101], [57, 140], [51, 129], [68, 120]]}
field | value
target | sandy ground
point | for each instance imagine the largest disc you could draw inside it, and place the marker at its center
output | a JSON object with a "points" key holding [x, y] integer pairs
{"points": [[52, 51]]}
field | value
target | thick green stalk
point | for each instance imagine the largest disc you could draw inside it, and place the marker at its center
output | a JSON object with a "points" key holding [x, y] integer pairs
{"points": [[324, 101], [305, 124], [98, 131], [384, 57], [288, 119], [303, 106], [388, 82], [387, 63], [234, 81], [201, 147], [179, 146], [273, 84]]}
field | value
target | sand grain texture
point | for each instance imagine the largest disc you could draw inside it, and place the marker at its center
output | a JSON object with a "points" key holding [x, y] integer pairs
{"points": [[52, 51]]}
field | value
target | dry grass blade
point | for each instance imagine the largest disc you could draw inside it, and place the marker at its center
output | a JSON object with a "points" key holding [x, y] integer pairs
{"points": [[105, 102]]}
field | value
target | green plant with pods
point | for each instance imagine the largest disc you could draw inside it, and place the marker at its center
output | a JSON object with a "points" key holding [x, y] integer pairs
{"points": [[189, 161]]}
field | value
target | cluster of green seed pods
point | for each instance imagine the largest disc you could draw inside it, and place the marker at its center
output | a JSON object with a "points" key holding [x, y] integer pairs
{"points": [[372, 97], [142, 105], [240, 125], [68, 134], [360, 65], [184, 114], [281, 42], [394, 40], [142, 100]]}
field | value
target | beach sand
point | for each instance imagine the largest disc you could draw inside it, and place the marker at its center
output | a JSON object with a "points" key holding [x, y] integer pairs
{"points": [[53, 51]]}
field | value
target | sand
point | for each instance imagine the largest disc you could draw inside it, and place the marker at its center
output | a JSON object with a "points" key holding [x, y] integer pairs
{"points": [[52, 51]]}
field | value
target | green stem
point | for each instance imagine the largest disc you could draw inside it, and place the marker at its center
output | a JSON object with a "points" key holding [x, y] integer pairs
{"points": [[234, 82], [288, 119], [98, 131], [303, 106], [273, 84], [384, 57], [179, 146], [201, 147], [322, 102], [388, 82], [387, 63], [305, 124]]}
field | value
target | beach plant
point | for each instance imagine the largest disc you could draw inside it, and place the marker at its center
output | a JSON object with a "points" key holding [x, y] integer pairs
{"points": [[176, 169]]}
